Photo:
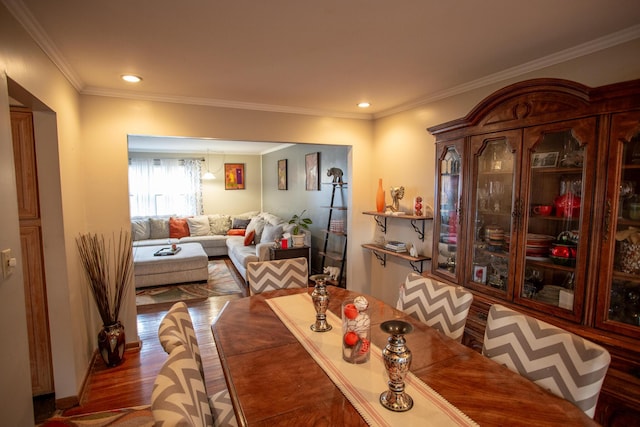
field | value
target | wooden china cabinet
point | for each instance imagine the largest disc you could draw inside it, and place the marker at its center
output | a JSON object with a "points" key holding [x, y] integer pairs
{"points": [[538, 208]]}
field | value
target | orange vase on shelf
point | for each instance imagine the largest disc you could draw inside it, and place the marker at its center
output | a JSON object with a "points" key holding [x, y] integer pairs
{"points": [[380, 197]]}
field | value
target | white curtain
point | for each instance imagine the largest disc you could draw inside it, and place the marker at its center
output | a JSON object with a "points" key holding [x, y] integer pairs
{"points": [[165, 187]]}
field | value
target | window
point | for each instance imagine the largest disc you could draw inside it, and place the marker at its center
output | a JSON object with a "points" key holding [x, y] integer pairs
{"points": [[165, 187]]}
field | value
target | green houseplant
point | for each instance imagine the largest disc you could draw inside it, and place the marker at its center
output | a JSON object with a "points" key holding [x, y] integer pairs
{"points": [[108, 268], [301, 222]]}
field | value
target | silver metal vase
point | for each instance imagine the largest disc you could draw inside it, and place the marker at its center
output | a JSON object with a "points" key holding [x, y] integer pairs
{"points": [[397, 361], [320, 298]]}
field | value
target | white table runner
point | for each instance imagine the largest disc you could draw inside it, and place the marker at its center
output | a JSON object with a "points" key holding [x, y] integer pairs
{"points": [[363, 383]]}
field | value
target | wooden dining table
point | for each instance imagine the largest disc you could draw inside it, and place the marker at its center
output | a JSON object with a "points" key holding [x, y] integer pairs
{"points": [[273, 380]]}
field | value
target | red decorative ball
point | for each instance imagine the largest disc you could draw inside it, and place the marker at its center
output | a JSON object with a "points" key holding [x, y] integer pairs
{"points": [[351, 338], [418, 206], [350, 311], [365, 346]]}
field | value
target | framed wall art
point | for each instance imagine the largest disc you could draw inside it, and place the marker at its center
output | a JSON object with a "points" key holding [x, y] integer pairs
{"points": [[234, 176], [311, 162], [282, 174]]}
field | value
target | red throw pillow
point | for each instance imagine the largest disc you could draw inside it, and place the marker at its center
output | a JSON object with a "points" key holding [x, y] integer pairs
{"points": [[236, 232], [248, 239], [178, 227]]}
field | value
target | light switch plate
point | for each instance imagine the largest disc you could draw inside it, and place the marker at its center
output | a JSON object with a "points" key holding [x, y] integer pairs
{"points": [[7, 267]]}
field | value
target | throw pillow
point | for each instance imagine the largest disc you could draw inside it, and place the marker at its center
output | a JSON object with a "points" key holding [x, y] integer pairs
{"points": [[159, 228], [239, 223], [140, 229], [178, 227], [256, 225], [236, 232], [248, 238], [219, 224], [271, 233], [199, 225]]}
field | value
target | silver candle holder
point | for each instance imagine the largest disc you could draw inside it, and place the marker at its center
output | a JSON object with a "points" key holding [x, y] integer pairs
{"points": [[320, 298], [397, 361]]}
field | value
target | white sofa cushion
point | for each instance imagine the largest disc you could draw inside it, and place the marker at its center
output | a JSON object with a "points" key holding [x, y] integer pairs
{"points": [[159, 228], [199, 225], [256, 225], [270, 233], [219, 224], [140, 229]]}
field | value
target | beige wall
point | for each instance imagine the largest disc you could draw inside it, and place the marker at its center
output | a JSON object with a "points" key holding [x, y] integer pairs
{"points": [[84, 181]]}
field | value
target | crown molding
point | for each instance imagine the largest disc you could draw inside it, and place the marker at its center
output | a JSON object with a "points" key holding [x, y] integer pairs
{"points": [[95, 91], [34, 29], [583, 49]]}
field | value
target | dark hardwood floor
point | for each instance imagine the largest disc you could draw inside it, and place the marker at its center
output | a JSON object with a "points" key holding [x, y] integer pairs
{"points": [[131, 383]]}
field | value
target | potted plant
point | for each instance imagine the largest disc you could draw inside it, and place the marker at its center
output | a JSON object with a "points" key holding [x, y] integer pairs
{"points": [[109, 269], [300, 222]]}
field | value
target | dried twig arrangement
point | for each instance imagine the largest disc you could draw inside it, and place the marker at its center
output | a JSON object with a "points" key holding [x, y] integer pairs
{"points": [[108, 269]]}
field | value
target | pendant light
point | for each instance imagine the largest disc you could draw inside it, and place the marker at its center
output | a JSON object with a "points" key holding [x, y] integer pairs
{"points": [[208, 174]]}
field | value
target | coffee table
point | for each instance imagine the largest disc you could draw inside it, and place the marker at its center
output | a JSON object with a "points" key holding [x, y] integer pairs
{"points": [[190, 264]]}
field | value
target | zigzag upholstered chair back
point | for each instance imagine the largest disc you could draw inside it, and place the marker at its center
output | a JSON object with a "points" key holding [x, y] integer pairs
{"points": [[176, 329], [441, 306], [279, 274], [179, 397], [557, 360], [176, 333]]}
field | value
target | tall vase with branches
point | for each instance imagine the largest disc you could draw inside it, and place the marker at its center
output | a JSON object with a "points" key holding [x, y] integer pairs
{"points": [[108, 267]]}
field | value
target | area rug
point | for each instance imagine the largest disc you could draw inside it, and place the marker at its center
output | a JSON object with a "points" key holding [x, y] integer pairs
{"points": [[221, 282], [125, 417]]}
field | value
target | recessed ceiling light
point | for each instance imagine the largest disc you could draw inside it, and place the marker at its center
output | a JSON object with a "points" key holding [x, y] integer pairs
{"points": [[364, 105], [131, 78]]}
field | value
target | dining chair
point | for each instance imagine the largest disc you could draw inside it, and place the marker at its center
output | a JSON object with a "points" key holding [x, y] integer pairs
{"points": [[277, 274], [557, 360], [179, 397], [176, 331], [441, 306]]}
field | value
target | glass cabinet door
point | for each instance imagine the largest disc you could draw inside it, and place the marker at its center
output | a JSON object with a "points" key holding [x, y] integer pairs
{"points": [[492, 208], [619, 296], [556, 204], [447, 224]]}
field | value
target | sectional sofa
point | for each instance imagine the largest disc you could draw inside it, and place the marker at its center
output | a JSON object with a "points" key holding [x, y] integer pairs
{"points": [[244, 238]]}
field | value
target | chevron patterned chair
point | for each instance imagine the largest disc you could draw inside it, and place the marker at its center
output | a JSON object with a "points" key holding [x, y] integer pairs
{"points": [[179, 397], [557, 360], [441, 306], [277, 274], [175, 332]]}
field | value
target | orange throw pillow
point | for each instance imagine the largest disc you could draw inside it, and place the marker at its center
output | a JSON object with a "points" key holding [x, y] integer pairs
{"points": [[178, 227], [248, 239], [236, 232]]}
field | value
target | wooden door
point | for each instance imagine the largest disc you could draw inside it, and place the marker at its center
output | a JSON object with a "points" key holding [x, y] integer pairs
{"points": [[24, 152]]}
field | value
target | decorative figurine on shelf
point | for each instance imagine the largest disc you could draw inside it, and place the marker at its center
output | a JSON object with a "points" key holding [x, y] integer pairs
{"points": [[417, 207], [332, 272], [337, 175], [397, 193]]}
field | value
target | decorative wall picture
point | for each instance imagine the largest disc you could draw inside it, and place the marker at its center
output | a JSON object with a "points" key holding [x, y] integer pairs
{"points": [[282, 174], [234, 176], [311, 167], [544, 160]]}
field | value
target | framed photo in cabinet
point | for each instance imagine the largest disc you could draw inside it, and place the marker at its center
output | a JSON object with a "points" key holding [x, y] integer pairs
{"points": [[282, 174], [234, 176], [545, 160]]}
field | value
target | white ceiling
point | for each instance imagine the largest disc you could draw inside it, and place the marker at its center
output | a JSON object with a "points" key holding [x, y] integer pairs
{"points": [[315, 57]]}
